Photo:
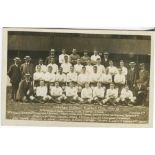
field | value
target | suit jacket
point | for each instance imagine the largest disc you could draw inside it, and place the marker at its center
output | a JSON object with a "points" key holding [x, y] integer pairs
{"points": [[142, 89], [23, 88], [14, 74], [105, 63], [144, 77], [132, 75], [47, 61], [27, 68]]}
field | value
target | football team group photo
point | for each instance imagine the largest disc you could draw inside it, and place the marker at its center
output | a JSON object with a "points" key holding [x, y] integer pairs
{"points": [[74, 70]]}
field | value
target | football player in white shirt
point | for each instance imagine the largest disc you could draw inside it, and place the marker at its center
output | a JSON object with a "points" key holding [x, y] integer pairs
{"points": [[66, 65], [100, 68], [78, 67], [119, 80], [111, 95], [87, 94], [112, 69], [71, 93], [106, 78], [54, 66], [60, 77], [83, 77], [94, 77], [72, 76], [42, 93], [49, 76], [61, 57], [124, 69], [126, 96], [89, 67], [94, 57], [37, 76], [56, 93], [43, 67], [98, 93]]}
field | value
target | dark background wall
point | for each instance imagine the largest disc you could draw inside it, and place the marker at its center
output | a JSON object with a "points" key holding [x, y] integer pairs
{"points": [[38, 44]]}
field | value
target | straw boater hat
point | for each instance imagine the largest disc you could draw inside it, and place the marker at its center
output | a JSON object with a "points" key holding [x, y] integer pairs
{"points": [[40, 59], [138, 81], [17, 58], [27, 57], [141, 64], [27, 75], [52, 50], [106, 53], [132, 63]]}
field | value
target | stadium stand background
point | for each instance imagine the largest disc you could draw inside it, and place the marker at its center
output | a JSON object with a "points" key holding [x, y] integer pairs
{"points": [[37, 44]]}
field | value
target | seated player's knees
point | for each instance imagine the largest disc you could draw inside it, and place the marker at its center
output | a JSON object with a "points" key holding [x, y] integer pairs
{"points": [[95, 98], [32, 98], [117, 99], [64, 97]]}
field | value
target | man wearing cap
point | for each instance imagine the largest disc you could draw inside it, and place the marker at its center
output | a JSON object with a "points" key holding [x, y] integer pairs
{"points": [[140, 92], [27, 67], [85, 58], [132, 75], [25, 90], [105, 59], [43, 67], [15, 76], [51, 55], [73, 57], [94, 57], [61, 57], [143, 75]]}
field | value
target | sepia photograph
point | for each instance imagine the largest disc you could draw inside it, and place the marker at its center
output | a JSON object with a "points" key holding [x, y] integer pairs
{"points": [[77, 77]]}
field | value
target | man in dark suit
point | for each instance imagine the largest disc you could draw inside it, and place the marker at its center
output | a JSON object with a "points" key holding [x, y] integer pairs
{"points": [[27, 67], [143, 75], [25, 90], [51, 55], [140, 92], [132, 75], [15, 76], [105, 59]]}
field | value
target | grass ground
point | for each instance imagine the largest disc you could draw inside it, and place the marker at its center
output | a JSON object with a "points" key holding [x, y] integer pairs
{"points": [[76, 112]]}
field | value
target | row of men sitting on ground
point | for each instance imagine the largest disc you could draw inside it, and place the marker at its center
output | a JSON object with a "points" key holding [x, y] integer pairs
{"points": [[55, 93]]}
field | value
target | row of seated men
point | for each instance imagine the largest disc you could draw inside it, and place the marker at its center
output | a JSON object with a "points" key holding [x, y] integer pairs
{"points": [[57, 92]]}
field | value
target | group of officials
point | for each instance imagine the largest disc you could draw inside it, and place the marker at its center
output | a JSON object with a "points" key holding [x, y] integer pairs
{"points": [[78, 79]]}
